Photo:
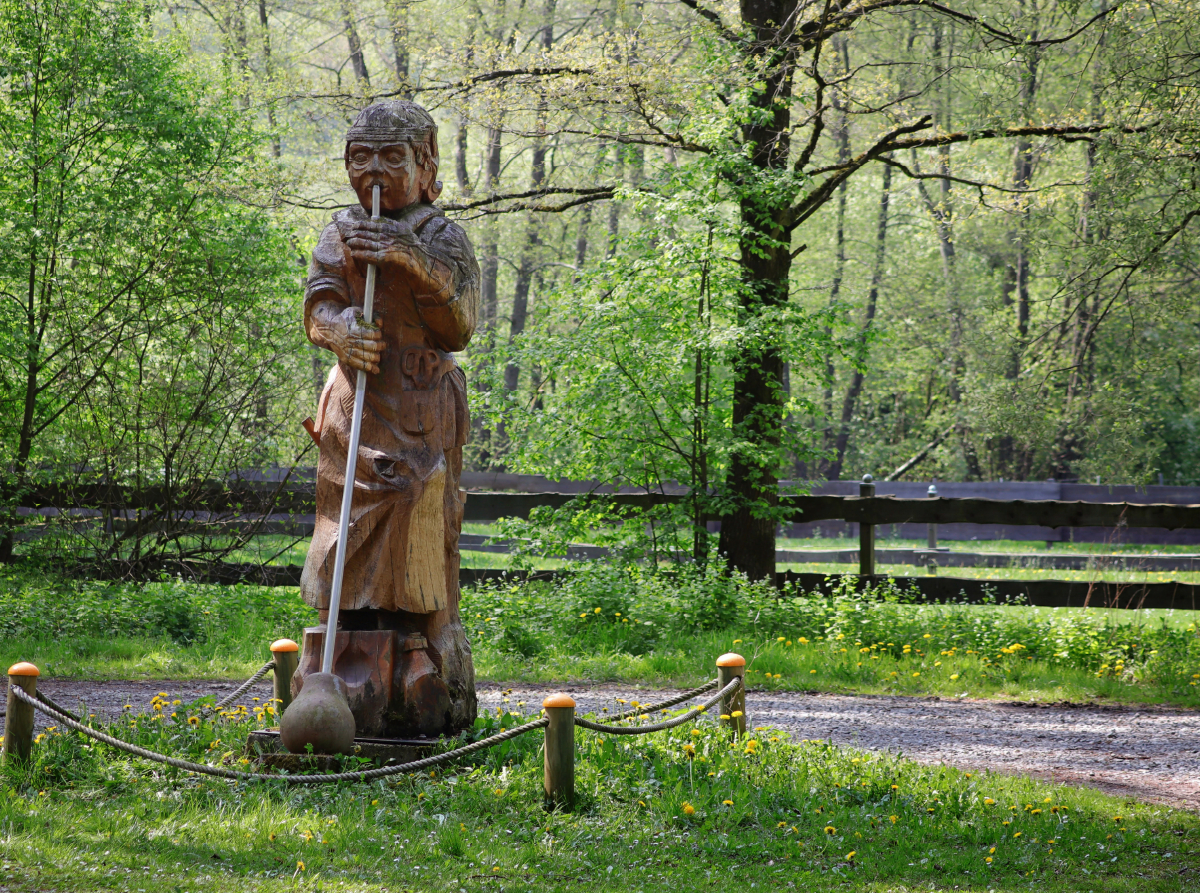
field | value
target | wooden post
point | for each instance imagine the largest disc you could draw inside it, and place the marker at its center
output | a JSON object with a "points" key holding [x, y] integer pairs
{"points": [[931, 529], [734, 705], [866, 533], [560, 751], [18, 724], [287, 657]]}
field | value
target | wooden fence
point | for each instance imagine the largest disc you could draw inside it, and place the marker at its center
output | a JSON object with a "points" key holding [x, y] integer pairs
{"points": [[283, 506]]}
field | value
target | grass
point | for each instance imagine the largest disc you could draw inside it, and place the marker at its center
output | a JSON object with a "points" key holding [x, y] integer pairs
{"points": [[765, 812], [1090, 575], [616, 623]]}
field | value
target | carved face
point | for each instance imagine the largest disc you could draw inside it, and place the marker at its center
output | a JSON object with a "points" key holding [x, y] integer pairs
{"points": [[393, 168]]}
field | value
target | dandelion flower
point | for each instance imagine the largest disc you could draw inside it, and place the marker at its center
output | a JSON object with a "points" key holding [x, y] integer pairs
{"points": [[829, 829], [850, 855], [736, 713], [688, 809], [1018, 834], [727, 802], [988, 860], [988, 801], [737, 641], [894, 818], [781, 639], [697, 733], [992, 850]]}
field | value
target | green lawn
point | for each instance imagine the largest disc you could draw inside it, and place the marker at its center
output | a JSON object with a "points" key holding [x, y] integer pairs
{"points": [[765, 812], [613, 624]]}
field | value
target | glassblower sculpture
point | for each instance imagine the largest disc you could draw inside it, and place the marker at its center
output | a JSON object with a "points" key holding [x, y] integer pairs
{"points": [[400, 648]]}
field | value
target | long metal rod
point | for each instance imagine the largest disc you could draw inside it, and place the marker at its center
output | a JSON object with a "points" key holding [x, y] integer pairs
{"points": [[360, 392]]}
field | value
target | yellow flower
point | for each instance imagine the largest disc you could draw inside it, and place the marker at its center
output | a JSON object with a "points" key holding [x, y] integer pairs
{"points": [[781, 639], [299, 866], [1048, 800], [688, 809], [374, 802], [751, 746], [802, 640], [725, 716], [736, 713], [988, 860], [894, 818], [737, 641], [689, 750], [727, 802], [988, 801], [915, 675], [895, 787], [1018, 834], [953, 677], [829, 829], [850, 855], [596, 610], [992, 850], [271, 836], [697, 733]]}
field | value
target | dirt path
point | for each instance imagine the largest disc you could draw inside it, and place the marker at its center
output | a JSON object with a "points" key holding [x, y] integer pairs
{"points": [[1149, 753]]}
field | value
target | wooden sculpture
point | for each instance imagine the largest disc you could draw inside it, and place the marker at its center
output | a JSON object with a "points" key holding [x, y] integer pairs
{"points": [[400, 646]]}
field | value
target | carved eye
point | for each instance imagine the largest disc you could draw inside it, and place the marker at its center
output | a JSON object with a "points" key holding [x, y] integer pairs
{"points": [[360, 157], [396, 158]]}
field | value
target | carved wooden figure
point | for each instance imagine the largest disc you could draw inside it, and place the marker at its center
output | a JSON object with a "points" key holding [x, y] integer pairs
{"points": [[401, 648]]}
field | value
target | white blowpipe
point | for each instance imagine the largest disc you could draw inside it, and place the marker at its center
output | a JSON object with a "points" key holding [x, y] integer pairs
{"points": [[360, 392]]}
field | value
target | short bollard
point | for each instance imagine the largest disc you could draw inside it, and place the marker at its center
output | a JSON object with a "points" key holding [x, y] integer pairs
{"points": [[560, 751], [287, 657], [18, 724], [733, 705]]}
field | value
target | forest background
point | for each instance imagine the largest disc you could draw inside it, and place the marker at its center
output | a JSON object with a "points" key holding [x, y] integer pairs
{"points": [[721, 245]]}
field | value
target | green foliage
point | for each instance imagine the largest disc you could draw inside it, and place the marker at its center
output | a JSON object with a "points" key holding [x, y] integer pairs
{"points": [[147, 335], [612, 609]]}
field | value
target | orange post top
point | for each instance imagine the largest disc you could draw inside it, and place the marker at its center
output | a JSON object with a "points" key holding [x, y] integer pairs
{"points": [[24, 668], [558, 700], [284, 645], [731, 660]]}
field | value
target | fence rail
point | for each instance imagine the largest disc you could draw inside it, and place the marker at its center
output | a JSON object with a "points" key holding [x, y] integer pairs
{"points": [[279, 507]]}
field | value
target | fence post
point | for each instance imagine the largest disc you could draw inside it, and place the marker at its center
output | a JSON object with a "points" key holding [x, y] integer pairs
{"points": [[287, 657], [18, 724], [734, 705], [559, 781], [866, 533], [931, 529]]}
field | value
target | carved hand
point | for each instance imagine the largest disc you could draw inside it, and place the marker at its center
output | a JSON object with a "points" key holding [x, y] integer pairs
{"points": [[394, 249], [357, 344]]}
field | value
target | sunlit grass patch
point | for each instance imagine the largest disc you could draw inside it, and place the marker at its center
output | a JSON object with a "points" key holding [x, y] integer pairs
{"points": [[668, 811]]}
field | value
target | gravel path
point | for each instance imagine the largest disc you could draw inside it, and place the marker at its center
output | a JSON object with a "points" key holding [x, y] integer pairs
{"points": [[1148, 753]]}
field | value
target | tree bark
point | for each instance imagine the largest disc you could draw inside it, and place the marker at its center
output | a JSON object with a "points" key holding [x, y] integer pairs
{"points": [[752, 483], [856, 380]]}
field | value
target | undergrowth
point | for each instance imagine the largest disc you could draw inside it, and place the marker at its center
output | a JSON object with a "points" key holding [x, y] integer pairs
{"points": [[620, 622]]}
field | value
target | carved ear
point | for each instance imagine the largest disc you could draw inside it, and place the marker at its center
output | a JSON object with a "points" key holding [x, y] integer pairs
{"points": [[432, 191]]}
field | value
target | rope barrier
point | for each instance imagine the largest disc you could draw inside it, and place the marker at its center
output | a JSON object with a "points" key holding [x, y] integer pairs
{"points": [[663, 705], [245, 686], [234, 775], [49, 703], [49, 708], [666, 724]]}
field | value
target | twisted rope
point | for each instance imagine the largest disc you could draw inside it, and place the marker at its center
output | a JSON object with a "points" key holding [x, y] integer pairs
{"points": [[46, 700], [245, 686], [663, 705], [666, 724], [44, 705], [234, 775]]}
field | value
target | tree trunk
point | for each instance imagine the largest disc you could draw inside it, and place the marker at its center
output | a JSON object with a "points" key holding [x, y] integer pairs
{"points": [[357, 60], [856, 380], [752, 483], [397, 12]]}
